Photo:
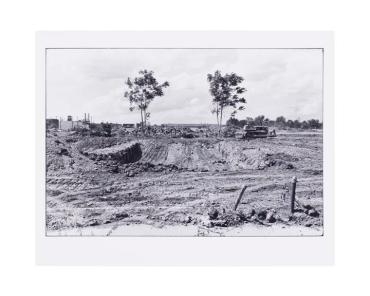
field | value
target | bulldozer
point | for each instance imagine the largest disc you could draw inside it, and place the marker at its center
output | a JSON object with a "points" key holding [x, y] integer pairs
{"points": [[251, 132]]}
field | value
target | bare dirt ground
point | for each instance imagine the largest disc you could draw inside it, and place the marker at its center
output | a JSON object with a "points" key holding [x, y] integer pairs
{"points": [[174, 186]]}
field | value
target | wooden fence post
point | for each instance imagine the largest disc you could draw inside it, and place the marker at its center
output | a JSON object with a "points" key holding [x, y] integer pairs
{"points": [[292, 200], [240, 197]]}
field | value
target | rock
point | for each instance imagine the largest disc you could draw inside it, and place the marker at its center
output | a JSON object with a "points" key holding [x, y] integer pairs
{"points": [[308, 207], [121, 215], [63, 151], [313, 213], [189, 219], [130, 174], [93, 222], [115, 169], [262, 215], [270, 217], [213, 214], [242, 216], [289, 166], [251, 213], [218, 223]]}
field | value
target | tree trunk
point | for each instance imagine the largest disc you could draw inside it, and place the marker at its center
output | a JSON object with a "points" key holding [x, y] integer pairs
{"points": [[144, 118], [142, 122], [219, 131], [218, 121], [218, 117]]}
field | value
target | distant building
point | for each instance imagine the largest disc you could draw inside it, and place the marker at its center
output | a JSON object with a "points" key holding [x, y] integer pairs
{"points": [[52, 123], [73, 125]]}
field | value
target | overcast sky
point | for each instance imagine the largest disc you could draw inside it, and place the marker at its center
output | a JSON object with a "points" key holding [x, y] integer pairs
{"points": [[284, 82]]}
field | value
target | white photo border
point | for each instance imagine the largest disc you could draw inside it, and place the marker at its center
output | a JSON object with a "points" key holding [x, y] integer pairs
{"points": [[186, 250]]}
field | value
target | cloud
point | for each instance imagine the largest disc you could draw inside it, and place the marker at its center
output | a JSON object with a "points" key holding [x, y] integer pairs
{"points": [[279, 82]]}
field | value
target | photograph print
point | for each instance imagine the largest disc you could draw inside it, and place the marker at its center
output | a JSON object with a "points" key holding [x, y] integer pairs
{"points": [[184, 142]]}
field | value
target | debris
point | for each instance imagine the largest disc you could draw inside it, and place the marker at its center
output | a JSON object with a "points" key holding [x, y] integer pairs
{"points": [[251, 213], [213, 214], [289, 166], [313, 213], [120, 216], [270, 217], [115, 169], [63, 151], [262, 215]]}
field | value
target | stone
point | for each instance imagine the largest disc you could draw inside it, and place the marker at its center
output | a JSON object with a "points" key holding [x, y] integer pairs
{"points": [[213, 214], [270, 217], [115, 169], [121, 215], [262, 215], [313, 213], [289, 166], [63, 151], [251, 213]]}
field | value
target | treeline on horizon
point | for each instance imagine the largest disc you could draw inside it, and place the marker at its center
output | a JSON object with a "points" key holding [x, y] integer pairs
{"points": [[227, 92], [280, 122]]}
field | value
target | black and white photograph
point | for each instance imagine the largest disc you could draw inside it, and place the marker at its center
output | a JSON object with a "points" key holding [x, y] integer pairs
{"points": [[195, 147], [184, 142]]}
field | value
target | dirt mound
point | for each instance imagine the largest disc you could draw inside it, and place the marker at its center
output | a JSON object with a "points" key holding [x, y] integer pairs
{"points": [[213, 155], [123, 153], [69, 151]]}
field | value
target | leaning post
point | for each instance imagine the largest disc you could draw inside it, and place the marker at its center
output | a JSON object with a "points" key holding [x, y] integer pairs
{"points": [[240, 197], [292, 200]]}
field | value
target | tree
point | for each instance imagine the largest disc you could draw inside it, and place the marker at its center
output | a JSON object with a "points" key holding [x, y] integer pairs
{"points": [[141, 92], [290, 123], [281, 121], [226, 92], [296, 124], [314, 123], [259, 120], [305, 125], [232, 122]]}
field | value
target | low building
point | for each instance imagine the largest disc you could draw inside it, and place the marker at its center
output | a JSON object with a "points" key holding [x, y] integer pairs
{"points": [[70, 125], [52, 123]]}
